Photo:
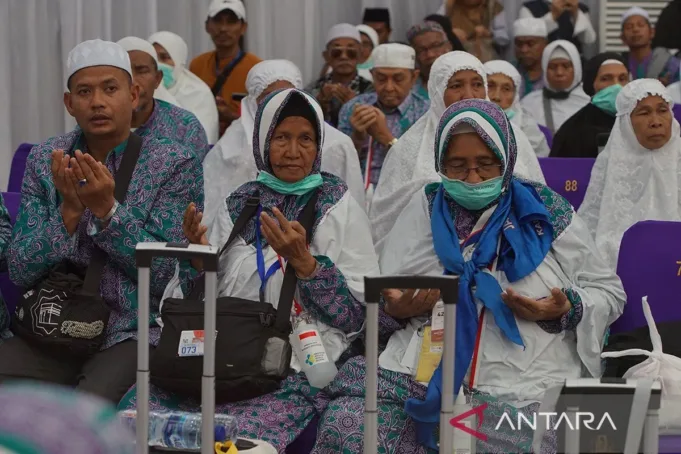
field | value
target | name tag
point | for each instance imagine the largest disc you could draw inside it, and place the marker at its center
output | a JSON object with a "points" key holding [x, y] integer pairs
{"points": [[429, 357], [191, 343]]}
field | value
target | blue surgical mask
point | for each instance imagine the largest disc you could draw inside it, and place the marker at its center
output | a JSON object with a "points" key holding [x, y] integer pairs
{"points": [[605, 99], [168, 74], [301, 187], [473, 196], [510, 113]]}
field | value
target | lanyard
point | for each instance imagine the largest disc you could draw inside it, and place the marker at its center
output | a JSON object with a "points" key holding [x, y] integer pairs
{"points": [[229, 65], [367, 165], [260, 260]]}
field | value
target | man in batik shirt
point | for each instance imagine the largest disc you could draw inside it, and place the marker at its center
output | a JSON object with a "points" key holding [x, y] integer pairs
{"points": [[154, 116], [68, 210]]}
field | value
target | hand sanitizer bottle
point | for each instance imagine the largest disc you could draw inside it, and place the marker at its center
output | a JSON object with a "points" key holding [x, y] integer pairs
{"points": [[309, 348]]}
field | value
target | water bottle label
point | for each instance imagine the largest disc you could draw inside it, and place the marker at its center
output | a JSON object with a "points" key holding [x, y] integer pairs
{"points": [[312, 347], [191, 343]]}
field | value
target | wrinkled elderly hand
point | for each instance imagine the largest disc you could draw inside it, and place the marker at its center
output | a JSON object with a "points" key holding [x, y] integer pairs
{"points": [[545, 309], [289, 240], [192, 227], [404, 304]]}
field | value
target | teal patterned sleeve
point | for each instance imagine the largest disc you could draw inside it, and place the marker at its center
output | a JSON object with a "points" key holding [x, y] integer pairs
{"points": [[196, 138], [5, 232], [327, 298], [40, 240], [163, 224]]}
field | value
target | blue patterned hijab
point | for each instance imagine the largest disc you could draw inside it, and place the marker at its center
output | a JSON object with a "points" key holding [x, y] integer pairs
{"points": [[269, 115], [522, 221]]}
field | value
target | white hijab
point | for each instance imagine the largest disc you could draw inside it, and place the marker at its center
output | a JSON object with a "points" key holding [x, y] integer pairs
{"points": [[230, 163], [521, 118], [630, 183], [189, 90], [410, 164], [562, 108]]}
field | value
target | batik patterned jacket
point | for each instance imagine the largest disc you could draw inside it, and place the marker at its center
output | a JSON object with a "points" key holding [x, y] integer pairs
{"points": [[166, 179]]}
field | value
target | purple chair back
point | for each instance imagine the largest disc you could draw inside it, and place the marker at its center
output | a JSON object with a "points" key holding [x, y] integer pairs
{"points": [[569, 177], [649, 265], [548, 134], [10, 292], [16, 173]]}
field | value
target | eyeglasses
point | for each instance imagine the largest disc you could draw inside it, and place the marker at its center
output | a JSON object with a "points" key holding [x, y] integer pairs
{"points": [[424, 50], [337, 52], [461, 172]]}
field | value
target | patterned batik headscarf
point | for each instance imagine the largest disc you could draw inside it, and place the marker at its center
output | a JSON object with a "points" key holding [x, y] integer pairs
{"points": [[269, 115], [50, 419], [520, 220]]}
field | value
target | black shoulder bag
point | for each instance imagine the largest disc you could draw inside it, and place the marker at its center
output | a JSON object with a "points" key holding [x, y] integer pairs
{"points": [[252, 343], [224, 75], [66, 313]]}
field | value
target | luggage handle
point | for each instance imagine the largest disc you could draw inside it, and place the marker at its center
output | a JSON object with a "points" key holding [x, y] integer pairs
{"points": [[449, 288], [144, 255]]}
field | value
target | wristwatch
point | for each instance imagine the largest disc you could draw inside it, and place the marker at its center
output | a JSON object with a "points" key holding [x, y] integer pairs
{"points": [[110, 214], [392, 143]]}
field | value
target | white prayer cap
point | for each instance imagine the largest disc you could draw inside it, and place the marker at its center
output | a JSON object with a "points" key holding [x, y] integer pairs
{"points": [[371, 33], [611, 61], [96, 53], [559, 53], [235, 6], [394, 55], [530, 26], [343, 31], [130, 43], [635, 11]]}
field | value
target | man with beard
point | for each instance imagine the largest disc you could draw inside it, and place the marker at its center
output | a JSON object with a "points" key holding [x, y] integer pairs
{"points": [[154, 116], [225, 68]]}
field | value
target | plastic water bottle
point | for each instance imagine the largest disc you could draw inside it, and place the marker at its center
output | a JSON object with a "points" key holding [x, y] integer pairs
{"points": [[464, 443], [181, 430], [309, 347]]}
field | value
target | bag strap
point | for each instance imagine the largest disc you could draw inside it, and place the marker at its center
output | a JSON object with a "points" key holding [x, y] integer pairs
{"points": [[246, 214], [548, 114], [122, 182], [288, 287], [224, 75]]}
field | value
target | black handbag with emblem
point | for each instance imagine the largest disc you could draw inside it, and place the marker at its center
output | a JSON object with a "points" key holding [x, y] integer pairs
{"points": [[65, 313]]}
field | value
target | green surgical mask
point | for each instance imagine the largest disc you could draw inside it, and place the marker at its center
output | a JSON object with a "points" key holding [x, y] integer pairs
{"points": [[473, 196], [510, 113], [605, 99], [168, 74], [301, 187]]}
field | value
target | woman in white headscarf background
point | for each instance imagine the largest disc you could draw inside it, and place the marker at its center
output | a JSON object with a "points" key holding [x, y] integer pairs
{"points": [[190, 92], [409, 165], [369, 43], [562, 91], [230, 163], [503, 88], [637, 176]]}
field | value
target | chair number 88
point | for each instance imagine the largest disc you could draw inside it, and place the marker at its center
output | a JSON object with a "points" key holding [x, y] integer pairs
{"points": [[571, 185]]}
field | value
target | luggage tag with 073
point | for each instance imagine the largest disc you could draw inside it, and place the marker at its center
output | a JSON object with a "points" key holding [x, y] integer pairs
{"points": [[191, 343]]}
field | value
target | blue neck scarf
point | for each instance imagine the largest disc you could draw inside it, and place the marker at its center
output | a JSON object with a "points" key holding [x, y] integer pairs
{"points": [[524, 223]]}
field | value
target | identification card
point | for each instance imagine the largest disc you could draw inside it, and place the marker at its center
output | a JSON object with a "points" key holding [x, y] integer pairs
{"points": [[438, 323], [429, 357], [191, 343]]}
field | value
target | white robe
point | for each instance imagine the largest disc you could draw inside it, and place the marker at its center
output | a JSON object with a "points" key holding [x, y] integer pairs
{"points": [[342, 235], [504, 369]]}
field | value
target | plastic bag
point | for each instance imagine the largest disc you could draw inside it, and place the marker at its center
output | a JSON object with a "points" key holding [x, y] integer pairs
{"points": [[660, 366]]}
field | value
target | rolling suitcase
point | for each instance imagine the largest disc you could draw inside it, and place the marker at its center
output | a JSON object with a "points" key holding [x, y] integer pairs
{"points": [[144, 255], [449, 290]]}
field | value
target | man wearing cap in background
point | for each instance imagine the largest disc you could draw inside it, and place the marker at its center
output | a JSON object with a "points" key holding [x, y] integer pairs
{"points": [[343, 45], [68, 212], [531, 38], [190, 92], [154, 116], [375, 121], [429, 41], [643, 60], [369, 43], [565, 19], [225, 68], [379, 20]]}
